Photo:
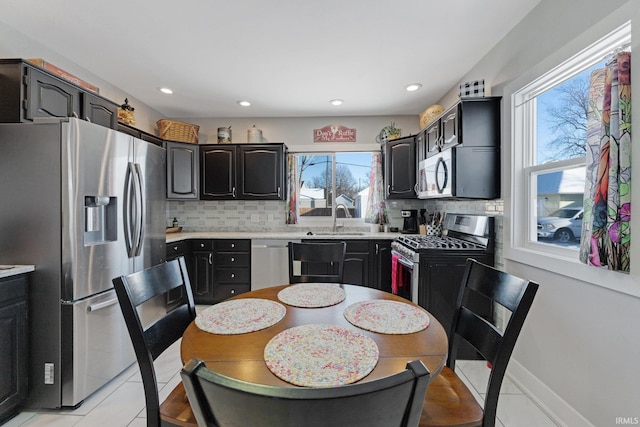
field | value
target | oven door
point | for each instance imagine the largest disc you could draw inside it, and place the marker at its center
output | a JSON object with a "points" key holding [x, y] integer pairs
{"points": [[404, 276], [435, 176]]}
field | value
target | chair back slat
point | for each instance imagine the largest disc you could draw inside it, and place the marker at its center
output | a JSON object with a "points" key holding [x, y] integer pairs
{"points": [[392, 401], [318, 262]]}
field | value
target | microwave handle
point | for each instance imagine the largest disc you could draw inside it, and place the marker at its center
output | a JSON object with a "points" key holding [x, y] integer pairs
{"points": [[442, 163]]}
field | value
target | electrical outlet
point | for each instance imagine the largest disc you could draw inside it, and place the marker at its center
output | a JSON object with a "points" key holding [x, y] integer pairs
{"points": [[255, 218]]}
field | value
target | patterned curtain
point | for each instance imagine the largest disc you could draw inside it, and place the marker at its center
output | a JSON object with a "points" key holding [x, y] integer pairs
{"points": [[292, 185], [376, 212], [606, 234]]}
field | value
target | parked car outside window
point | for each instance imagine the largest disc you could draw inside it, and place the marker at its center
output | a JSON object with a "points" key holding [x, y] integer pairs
{"points": [[562, 225]]}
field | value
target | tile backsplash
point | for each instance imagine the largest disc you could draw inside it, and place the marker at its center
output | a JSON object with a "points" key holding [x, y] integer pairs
{"points": [[269, 216]]}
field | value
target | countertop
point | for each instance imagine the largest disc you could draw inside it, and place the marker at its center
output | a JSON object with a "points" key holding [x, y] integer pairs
{"points": [[15, 270], [282, 235]]}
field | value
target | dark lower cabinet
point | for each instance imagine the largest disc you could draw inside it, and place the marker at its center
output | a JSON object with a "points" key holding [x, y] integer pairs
{"points": [[13, 344], [222, 269], [367, 263], [175, 250], [382, 265]]}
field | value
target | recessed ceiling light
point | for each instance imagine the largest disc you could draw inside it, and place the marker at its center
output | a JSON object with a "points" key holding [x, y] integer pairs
{"points": [[413, 87], [244, 103], [336, 102], [166, 90]]}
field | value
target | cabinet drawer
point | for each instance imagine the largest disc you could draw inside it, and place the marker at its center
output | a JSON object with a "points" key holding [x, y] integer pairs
{"points": [[233, 245], [176, 249], [232, 259], [203, 245], [227, 291], [232, 275]]}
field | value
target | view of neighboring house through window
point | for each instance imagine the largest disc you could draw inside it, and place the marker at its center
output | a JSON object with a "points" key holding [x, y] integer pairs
{"points": [[551, 146], [327, 181]]}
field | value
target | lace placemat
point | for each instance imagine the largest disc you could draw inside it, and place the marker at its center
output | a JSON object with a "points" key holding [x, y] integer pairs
{"points": [[387, 317], [312, 295], [240, 316], [321, 355]]}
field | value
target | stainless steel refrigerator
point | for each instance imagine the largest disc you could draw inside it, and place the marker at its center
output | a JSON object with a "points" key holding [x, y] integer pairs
{"points": [[85, 204]]}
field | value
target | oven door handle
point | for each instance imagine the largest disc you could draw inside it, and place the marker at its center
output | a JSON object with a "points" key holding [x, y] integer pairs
{"points": [[402, 260]]}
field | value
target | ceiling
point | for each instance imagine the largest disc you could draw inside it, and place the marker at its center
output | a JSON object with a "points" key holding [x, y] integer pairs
{"points": [[289, 58]]}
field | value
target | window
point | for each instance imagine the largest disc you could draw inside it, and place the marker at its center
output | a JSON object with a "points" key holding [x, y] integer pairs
{"points": [[550, 135], [333, 184]]}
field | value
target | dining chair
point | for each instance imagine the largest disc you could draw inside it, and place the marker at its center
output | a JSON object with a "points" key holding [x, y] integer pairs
{"points": [[151, 340], [448, 401], [218, 400], [318, 262]]}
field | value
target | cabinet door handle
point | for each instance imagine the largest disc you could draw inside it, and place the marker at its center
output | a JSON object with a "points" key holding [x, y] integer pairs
{"points": [[233, 260], [233, 193], [233, 291], [233, 275], [377, 248], [210, 258], [279, 191], [388, 189], [233, 245], [175, 248]]}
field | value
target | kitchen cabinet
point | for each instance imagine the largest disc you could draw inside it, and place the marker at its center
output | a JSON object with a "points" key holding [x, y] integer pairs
{"points": [[13, 344], [471, 122], [30, 93], [135, 132], [173, 251], [381, 277], [262, 171], [366, 263], [183, 166], [218, 172], [222, 268], [243, 172], [400, 165]]}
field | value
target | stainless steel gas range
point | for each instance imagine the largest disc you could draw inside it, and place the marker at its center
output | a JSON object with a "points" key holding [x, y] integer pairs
{"points": [[434, 265]]}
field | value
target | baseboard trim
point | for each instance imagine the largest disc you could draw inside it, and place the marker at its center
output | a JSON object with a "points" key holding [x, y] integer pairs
{"points": [[552, 404]]}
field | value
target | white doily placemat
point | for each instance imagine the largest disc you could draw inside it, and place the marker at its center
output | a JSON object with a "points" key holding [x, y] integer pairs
{"points": [[387, 317], [321, 355], [312, 295], [240, 316]]}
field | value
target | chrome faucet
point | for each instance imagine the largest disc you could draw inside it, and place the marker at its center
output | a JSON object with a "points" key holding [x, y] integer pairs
{"points": [[335, 217]]}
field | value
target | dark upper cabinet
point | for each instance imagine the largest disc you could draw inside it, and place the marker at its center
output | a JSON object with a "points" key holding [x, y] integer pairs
{"points": [[243, 172], [400, 166], [130, 130], [30, 93], [183, 166], [48, 96], [218, 172], [261, 172], [99, 111], [472, 122]]}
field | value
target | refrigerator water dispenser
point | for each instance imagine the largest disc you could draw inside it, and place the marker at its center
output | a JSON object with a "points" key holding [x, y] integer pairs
{"points": [[99, 220]]}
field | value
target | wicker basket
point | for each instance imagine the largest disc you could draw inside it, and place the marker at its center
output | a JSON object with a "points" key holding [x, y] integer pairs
{"points": [[177, 131]]}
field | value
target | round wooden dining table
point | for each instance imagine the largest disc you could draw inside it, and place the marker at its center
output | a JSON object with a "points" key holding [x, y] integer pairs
{"points": [[241, 356]]}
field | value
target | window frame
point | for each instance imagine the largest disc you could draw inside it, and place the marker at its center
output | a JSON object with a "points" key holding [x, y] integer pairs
{"points": [[520, 208], [328, 221]]}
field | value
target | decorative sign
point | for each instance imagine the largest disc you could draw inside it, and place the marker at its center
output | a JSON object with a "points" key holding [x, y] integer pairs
{"points": [[334, 133]]}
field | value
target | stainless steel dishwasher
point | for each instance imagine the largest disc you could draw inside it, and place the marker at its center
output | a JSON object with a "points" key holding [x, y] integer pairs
{"points": [[269, 263]]}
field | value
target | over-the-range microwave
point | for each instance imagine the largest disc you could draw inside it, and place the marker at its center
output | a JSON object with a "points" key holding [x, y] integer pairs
{"points": [[461, 172], [435, 176]]}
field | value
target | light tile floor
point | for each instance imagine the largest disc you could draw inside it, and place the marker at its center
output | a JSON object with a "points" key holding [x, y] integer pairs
{"points": [[121, 402]]}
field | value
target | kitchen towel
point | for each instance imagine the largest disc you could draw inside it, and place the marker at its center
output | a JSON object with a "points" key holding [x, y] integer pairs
{"points": [[397, 280]]}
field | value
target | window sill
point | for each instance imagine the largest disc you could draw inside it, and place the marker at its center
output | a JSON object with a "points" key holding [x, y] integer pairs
{"points": [[571, 267]]}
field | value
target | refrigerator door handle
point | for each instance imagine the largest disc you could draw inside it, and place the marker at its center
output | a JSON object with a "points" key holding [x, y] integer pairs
{"points": [[141, 211], [127, 206], [101, 305]]}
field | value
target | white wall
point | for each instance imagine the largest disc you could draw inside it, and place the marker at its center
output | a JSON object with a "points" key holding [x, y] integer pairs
{"points": [[580, 344]]}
